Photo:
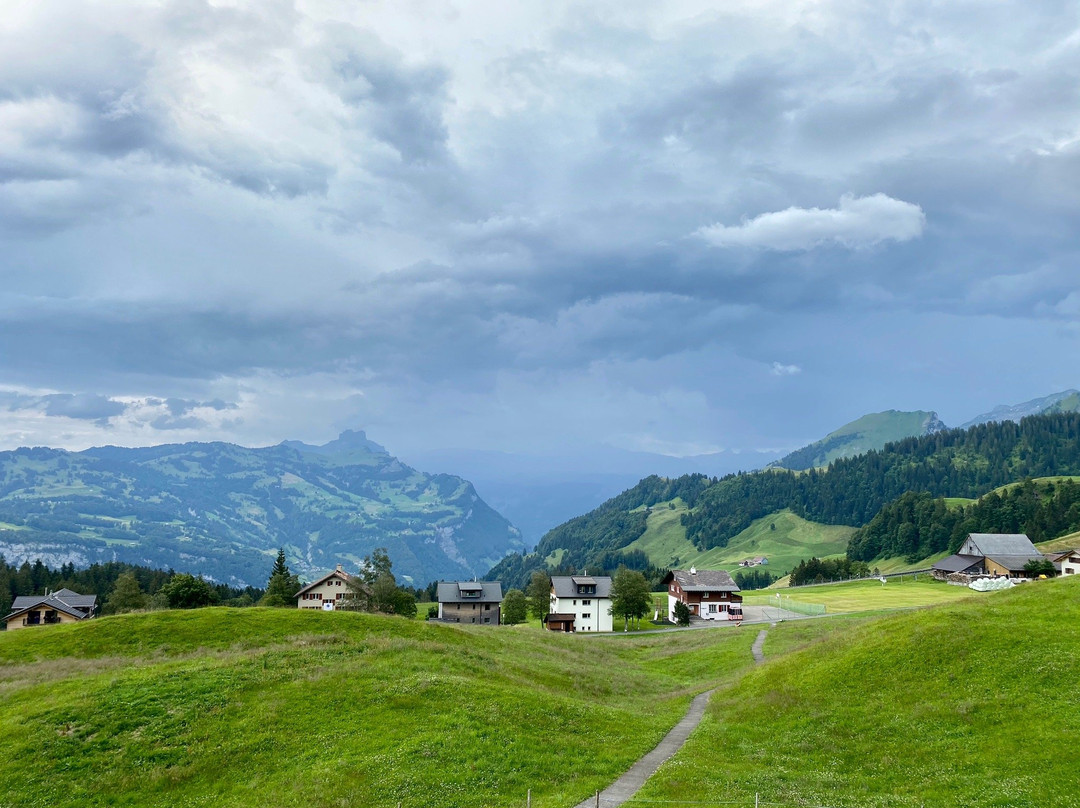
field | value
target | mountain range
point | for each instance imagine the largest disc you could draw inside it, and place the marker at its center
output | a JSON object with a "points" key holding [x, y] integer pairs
{"points": [[223, 510]]}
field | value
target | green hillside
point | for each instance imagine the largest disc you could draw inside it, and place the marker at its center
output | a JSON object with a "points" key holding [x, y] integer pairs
{"points": [[223, 510], [286, 708], [968, 704], [863, 434], [782, 537]]}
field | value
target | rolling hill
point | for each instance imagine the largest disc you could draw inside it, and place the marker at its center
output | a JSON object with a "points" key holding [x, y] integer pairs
{"points": [[783, 537], [223, 510], [871, 431], [954, 705]]}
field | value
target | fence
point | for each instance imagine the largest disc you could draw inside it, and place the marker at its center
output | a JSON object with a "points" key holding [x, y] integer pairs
{"points": [[815, 609]]}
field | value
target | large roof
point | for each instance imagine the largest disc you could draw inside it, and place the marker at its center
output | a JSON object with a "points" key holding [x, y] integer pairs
{"points": [[565, 587], [452, 591], [695, 580], [1015, 563], [1003, 544]]}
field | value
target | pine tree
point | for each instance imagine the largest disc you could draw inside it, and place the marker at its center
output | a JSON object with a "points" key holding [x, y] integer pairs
{"points": [[282, 586]]}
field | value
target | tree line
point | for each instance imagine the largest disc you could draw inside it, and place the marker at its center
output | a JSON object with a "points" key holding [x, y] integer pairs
{"points": [[918, 524]]}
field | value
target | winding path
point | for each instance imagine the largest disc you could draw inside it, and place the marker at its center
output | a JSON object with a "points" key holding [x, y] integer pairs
{"points": [[628, 785]]}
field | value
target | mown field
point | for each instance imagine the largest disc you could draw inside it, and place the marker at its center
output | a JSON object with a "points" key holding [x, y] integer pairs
{"points": [[784, 538], [861, 596], [241, 707], [968, 704]]}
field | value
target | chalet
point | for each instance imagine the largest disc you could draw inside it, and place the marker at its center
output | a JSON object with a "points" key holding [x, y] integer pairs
{"points": [[1070, 564], [580, 603], [996, 554], [327, 593], [709, 594], [477, 602], [62, 606]]}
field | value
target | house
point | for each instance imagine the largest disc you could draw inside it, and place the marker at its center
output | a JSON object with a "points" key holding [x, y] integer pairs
{"points": [[327, 593], [1070, 564], [996, 554], [470, 602], [580, 603], [62, 606], [754, 562], [709, 594]]}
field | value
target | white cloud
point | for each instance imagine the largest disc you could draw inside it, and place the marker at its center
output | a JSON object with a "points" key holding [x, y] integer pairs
{"points": [[857, 222], [779, 369]]}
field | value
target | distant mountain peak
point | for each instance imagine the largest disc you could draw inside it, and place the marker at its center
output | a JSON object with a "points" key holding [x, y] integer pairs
{"points": [[349, 441], [1065, 401], [871, 431]]}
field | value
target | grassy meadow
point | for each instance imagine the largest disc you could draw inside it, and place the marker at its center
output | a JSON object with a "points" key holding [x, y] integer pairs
{"points": [[286, 708], [784, 538], [862, 596], [967, 704]]}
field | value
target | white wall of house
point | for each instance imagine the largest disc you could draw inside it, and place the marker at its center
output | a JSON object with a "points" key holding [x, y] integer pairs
{"points": [[1070, 565], [334, 589], [590, 612]]}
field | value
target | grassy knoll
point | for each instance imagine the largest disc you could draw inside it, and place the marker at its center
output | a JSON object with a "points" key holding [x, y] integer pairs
{"points": [[1069, 542], [861, 596], [284, 708], [784, 538], [973, 703]]}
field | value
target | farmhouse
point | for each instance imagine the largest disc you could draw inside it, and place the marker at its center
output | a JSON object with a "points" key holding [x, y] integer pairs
{"points": [[580, 603], [997, 554], [470, 602], [1070, 563], [327, 593], [709, 594], [62, 606]]}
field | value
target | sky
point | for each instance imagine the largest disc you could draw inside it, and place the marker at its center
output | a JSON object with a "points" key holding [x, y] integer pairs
{"points": [[678, 227]]}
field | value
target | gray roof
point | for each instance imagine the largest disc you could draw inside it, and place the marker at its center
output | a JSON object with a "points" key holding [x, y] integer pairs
{"points": [[1015, 563], [957, 563], [1003, 544], [703, 580], [327, 577], [66, 601], [565, 587], [450, 591]]}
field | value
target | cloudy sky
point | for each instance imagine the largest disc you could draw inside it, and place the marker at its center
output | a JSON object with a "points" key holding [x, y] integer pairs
{"points": [[677, 227]]}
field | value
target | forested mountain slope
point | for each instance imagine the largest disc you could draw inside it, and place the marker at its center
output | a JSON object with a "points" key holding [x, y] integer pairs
{"points": [[222, 510], [872, 431], [851, 491]]}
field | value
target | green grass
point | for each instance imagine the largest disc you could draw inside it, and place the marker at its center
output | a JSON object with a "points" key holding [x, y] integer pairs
{"points": [[1069, 542], [288, 708], [861, 596], [968, 704], [792, 540]]}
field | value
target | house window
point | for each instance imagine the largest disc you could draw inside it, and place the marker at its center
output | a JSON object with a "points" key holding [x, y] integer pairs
{"points": [[705, 595], [712, 608], [487, 607], [586, 616], [586, 603], [575, 603]]}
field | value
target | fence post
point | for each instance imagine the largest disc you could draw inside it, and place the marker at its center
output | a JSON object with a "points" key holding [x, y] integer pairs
{"points": [[528, 798], [597, 799]]}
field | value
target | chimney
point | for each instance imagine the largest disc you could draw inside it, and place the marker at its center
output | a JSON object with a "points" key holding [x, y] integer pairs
{"points": [[340, 568], [693, 570]]}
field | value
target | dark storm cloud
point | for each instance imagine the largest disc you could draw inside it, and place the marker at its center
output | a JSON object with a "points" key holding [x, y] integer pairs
{"points": [[82, 406]]}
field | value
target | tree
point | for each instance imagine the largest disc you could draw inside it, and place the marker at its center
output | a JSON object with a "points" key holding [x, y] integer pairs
{"points": [[682, 613], [1040, 566], [630, 596], [514, 607], [282, 587], [186, 591], [538, 595], [126, 596]]}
